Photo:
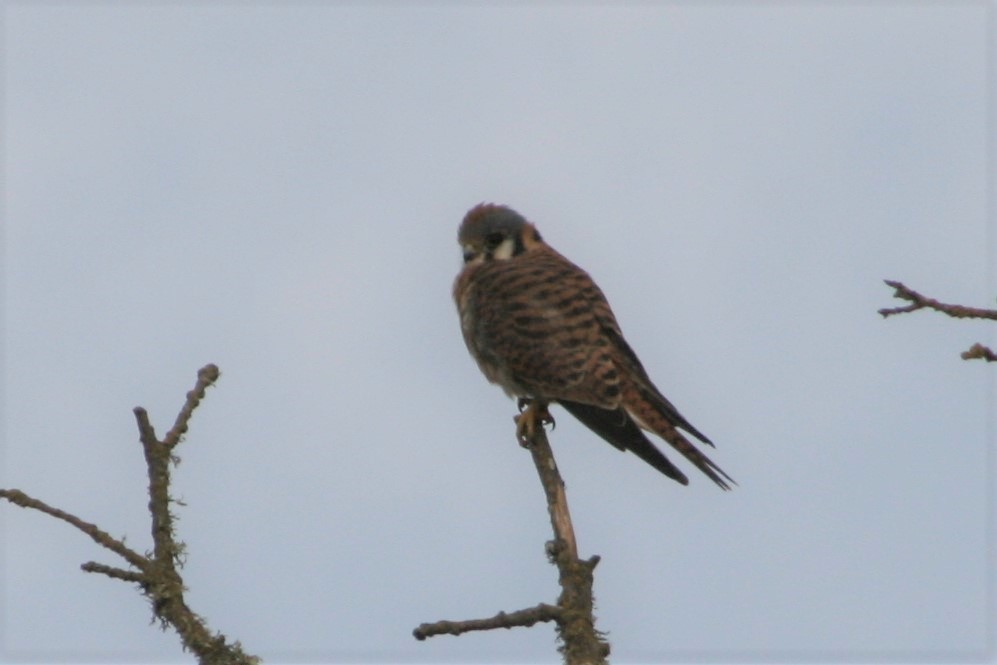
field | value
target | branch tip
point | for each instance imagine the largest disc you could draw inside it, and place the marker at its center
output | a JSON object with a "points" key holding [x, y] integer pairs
{"points": [[979, 352], [116, 573], [206, 377]]}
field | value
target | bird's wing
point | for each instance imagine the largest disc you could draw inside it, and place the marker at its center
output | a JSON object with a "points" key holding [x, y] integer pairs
{"points": [[547, 331], [642, 407], [633, 368], [619, 429], [538, 326], [650, 410]]}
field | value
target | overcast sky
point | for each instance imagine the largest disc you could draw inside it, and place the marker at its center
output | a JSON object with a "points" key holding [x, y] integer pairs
{"points": [[277, 190]]}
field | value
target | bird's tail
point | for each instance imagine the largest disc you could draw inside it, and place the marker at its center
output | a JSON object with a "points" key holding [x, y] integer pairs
{"points": [[619, 429], [658, 421], [669, 433]]}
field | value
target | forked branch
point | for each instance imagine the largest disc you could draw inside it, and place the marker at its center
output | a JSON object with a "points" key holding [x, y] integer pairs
{"points": [[918, 301], [158, 574]]}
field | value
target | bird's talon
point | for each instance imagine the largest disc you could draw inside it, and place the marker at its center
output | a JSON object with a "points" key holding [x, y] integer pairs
{"points": [[523, 431], [532, 413]]}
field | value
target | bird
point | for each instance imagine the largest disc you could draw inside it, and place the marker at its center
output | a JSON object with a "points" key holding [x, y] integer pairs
{"points": [[540, 327]]}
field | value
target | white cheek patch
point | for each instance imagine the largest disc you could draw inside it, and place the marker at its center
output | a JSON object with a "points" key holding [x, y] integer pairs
{"points": [[505, 250]]}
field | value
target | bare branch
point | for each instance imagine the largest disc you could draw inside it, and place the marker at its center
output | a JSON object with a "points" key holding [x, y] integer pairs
{"points": [[158, 574], [165, 585], [919, 301], [206, 376], [573, 614], [580, 641], [102, 538], [978, 351], [557, 501], [146, 432], [158, 457], [116, 573], [521, 618]]}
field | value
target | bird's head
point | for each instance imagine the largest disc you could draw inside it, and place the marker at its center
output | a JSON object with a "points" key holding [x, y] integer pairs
{"points": [[493, 232]]}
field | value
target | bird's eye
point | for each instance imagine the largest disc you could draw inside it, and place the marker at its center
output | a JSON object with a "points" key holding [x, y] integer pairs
{"points": [[493, 240]]}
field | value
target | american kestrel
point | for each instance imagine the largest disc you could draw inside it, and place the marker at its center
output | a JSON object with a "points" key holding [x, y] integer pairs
{"points": [[539, 327]]}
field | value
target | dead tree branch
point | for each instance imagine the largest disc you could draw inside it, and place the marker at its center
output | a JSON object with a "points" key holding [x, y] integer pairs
{"points": [[517, 619], [918, 301], [157, 574], [979, 351], [573, 615]]}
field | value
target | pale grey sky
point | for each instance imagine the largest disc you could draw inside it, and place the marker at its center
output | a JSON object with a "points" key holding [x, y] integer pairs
{"points": [[276, 189]]}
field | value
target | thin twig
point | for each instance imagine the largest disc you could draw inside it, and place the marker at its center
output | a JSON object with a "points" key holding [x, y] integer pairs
{"points": [[519, 619], [919, 301], [102, 538], [116, 573], [978, 351], [206, 376]]}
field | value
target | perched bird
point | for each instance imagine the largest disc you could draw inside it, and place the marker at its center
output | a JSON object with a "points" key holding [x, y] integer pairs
{"points": [[539, 327]]}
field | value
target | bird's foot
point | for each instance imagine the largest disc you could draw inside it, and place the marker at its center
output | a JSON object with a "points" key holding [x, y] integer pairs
{"points": [[532, 413]]}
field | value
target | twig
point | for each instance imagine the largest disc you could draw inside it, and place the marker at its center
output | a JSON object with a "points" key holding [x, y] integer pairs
{"points": [[918, 301], [157, 574], [206, 376], [102, 538], [981, 352], [116, 573], [521, 618]]}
